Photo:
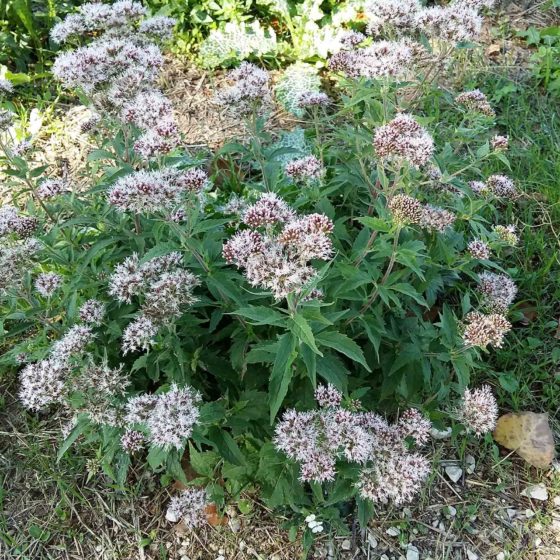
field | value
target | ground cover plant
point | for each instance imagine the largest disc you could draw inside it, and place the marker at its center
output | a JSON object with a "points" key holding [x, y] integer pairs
{"points": [[287, 315]]}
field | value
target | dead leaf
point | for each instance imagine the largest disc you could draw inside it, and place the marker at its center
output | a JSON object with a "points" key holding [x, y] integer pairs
{"points": [[213, 518], [529, 312], [493, 49], [529, 435]]}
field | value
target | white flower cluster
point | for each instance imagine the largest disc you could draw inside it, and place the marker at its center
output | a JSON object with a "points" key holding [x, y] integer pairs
{"points": [[249, 92], [119, 68], [165, 289], [189, 507], [457, 22], [498, 291], [317, 439], [12, 222], [162, 190], [16, 258], [408, 210], [276, 252], [478, 410], [168, 418], [119, 19], [382, 59]]}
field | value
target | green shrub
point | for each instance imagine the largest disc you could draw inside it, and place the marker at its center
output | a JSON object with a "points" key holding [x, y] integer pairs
{"points": [[184, 300]]}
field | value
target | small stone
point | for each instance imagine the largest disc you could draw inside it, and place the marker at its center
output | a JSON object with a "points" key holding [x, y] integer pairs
{"points": [[538, 542], [556, 501], [470, 464], [501, 556], [234, 524], [346, 544], [441, 526], [511, 513], [384, 557], [275, 557], [451, 511], [529, 513], [393, 531], [537, 526], [412, 553], [536, 492], [185, 557], [372, 541], [440, 434], [471, 555], [454, 473]]}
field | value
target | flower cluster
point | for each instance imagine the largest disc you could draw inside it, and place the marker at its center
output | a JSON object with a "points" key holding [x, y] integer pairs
{"points": [[119, 68], [189, 507], [318, 439], [51, 188], [499, 143], [478, 249], [92, 312], [96, 16], [499, 291], [167, 418], [408, 210], [305, 170], [278, 259], [47, 283], [476, 102], [16, 257], [478, 410], [250, 91], [483, 330], [165, 288], [498, 185], [11, 221], [382, 59], [457, 22], [156, 191], [403, 139], [507, 234]]}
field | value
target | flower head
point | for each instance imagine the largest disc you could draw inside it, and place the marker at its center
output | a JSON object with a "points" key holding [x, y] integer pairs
{"points": [[47, 283], [92, 311], [478, 410], [499, 291], [307, 169], [483, 330], [189, 507], [475, 101], [478, 249], [404, 139]]}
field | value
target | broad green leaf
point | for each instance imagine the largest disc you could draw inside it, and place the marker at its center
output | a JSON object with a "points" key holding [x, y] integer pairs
{"points": [[260, 315], [300, 327], [226, 446], [341, 343], [281, 373]]}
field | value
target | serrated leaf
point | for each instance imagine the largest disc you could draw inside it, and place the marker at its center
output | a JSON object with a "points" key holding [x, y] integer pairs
{"points": [[341, 343]]}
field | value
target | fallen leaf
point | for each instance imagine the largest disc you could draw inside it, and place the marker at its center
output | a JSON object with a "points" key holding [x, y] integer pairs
{"points": [[212, 516], [493, 49], [529, 435]]}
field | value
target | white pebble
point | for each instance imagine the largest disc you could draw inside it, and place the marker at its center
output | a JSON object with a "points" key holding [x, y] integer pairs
{"points": [[536, 492], [454, 473]]}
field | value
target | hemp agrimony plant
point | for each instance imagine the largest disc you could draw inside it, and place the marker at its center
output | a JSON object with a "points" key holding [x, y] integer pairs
{"points": [[257, 311]]}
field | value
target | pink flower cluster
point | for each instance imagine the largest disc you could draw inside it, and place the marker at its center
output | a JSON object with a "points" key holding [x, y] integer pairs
{"points": [[167, 418], [403, 139], [276, 252], [165, 289], [119, 68], [478, 410], [318, 439], [408, 210]]}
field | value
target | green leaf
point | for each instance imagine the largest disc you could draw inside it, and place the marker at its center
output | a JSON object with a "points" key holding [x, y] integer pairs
{"points": [[300, 327], [260, 315], [226, 446], [341, 343], [156, 457], [76, 432], [376, 224], [203, 463], [332, 370], [281, 373]]}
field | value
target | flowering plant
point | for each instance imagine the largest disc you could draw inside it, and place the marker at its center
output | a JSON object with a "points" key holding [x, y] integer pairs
{"points": [[174, 308]]}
